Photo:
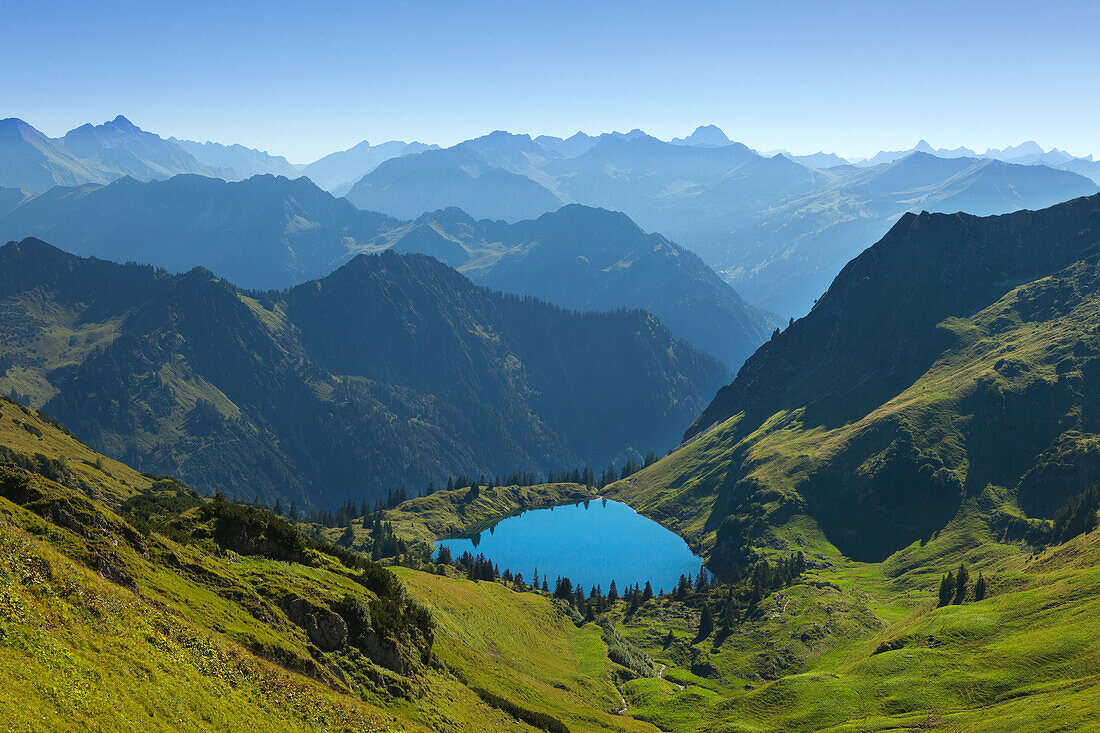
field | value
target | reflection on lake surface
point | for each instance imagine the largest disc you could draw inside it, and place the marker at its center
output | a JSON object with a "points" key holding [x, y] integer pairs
{"points": [[590, 543]]}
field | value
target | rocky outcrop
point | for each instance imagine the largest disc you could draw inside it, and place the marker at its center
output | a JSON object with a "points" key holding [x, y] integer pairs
{"points": [[325, 628]]}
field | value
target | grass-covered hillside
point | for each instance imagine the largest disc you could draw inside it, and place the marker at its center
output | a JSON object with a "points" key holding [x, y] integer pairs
{"points": [[821, 643], [957, 353], [824, 643], [127, 601], [394, 369], [121, 605], [152, 607], [863, 647]]}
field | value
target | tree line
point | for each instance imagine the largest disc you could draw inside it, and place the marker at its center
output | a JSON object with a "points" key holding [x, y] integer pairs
{"points": [[729, 603]]}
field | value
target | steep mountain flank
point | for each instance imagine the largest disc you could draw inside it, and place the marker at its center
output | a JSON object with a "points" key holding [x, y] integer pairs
{"points": [[958, 352], [394, 369]]}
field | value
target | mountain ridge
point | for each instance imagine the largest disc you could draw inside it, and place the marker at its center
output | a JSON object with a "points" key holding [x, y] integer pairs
{"points": [[259, 392], [954, 355], [272, 232]]}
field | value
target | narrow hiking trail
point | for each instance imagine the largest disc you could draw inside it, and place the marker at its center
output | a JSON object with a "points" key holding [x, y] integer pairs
{"points": [[660, 676]]}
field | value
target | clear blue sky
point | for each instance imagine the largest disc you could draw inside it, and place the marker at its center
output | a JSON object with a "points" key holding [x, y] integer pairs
{"points": [[306, 78]]}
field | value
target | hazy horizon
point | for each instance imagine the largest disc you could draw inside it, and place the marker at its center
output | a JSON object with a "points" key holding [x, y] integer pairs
{"points": [[853, 81]]}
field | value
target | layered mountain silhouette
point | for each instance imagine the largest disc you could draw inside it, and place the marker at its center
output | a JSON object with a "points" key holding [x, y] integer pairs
{"points": [[245, 162], [34, 161], [776, 227], [90, 154], [266, 232], [593, 259], [784, 253], [460, 177], [271, 232], [705, 136], [394, 369], [955, 360], [338, 172]]}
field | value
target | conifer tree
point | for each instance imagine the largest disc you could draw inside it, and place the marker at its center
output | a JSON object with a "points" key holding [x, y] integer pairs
{"points": [[979, 588], [612, 593], [706, 623], [648, 593], [947, 589], [962, 577]]}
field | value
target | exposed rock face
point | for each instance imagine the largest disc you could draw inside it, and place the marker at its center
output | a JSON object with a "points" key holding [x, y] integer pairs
{"points": [[325, 629]]}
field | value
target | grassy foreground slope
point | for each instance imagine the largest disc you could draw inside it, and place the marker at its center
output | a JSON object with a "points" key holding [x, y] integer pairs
{"points": [[523, 648], [155, 609], [860, 646], [104, 627]]}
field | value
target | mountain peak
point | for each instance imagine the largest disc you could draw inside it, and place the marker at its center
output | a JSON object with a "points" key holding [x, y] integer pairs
{"points": [[122, 124], [709, 135], [17, 127], [705, 136]]}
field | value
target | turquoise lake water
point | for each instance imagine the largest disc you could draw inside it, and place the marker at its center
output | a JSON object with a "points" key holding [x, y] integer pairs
{"points": [[590, 543]]}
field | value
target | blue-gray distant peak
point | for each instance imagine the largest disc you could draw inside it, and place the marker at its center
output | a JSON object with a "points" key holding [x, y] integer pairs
{"points": [[706, 136]]}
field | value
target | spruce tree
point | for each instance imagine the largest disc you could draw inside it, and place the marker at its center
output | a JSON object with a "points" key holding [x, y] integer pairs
{"points": [[962, 577], [947, 589], [979, 588], [706, 624]]}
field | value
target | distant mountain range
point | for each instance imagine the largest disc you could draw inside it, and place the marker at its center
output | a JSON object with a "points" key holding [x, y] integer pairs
{"points": [[338, 172], [394, 369], [245, 162], [90, 154], [456, 177], [271, 232], [265, 232], [954, 361], [1026, 153], [774, 227], [103, 153]]}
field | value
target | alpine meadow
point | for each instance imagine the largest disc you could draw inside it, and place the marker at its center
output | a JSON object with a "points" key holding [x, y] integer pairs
{"points": [[346, 386]]}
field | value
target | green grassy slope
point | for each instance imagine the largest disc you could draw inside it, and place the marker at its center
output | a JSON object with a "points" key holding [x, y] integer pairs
{"points": [[153, 608], [849, 646], [103, 625], [897, 417], [519, 646], [863, 647]]}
